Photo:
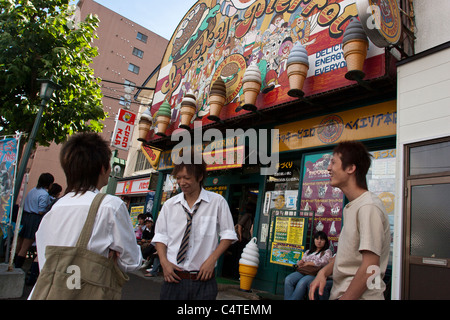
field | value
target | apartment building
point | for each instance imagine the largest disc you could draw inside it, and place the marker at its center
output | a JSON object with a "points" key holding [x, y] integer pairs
{"points": [[128, 53]]}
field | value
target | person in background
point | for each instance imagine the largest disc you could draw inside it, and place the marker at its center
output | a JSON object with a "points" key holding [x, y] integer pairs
{"points": [[53, 192], [34, 208], [85, 159], [364, 242], [188, 266], [296, 284]]}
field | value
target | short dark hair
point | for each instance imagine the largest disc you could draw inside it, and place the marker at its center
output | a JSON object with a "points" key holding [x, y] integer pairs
{"points": [[54, 189], [355, 152], [198, 170], [45, 180], [82, 158]]}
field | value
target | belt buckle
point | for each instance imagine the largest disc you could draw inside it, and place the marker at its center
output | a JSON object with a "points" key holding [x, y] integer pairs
{"points": [[193, 275]]}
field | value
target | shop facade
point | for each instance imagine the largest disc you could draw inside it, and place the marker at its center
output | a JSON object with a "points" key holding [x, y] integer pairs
{"points": [[221, 39]]}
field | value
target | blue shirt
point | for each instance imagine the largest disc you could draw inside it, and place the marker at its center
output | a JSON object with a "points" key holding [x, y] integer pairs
{"points": [[36, 201]]}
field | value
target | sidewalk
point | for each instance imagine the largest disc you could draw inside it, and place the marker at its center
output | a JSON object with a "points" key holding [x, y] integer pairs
{"points": [[140, 287], [227, 291]]}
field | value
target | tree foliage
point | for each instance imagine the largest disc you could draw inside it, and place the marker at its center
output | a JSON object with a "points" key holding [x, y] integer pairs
{"points": [[37, 41]]}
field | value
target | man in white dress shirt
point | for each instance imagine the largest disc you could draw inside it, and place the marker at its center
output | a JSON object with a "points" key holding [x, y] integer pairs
{"points": [[191, 276], [85, 159]]}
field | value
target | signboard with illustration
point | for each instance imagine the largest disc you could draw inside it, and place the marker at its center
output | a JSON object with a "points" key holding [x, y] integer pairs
{"points": [[288, 240], [378, 120], [222, 38], [318, 195], [8, 154]]}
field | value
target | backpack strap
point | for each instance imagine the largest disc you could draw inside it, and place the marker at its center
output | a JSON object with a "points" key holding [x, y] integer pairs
{"points": [[89, 224]]}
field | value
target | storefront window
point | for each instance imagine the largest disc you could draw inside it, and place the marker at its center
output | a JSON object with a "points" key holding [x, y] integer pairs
{"points": [[281, 193], [170, 188]]}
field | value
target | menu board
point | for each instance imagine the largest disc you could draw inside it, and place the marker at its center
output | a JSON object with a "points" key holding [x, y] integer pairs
{"points": [[318, 195], [288, 240]]}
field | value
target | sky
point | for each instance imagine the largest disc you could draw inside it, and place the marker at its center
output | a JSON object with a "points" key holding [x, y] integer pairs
{"points": [[160, 17]]}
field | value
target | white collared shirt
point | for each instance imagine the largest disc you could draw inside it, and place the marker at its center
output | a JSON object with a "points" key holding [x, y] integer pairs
{"points": [[113, 230], [212, 221]]}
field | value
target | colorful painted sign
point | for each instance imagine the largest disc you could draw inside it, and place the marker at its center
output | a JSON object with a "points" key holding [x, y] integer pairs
{"points": [[152, 154], [379, 120], [318, 195], [221, 38], [288, 242], [123, 131], [8, 153]]}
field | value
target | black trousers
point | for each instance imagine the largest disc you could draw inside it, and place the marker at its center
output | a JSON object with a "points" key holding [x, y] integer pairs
{"points": [[188, 289]]}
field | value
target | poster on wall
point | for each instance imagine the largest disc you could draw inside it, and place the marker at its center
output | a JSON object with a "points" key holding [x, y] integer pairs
{"points": [[318, 195], [222, 38], [288, 240]]}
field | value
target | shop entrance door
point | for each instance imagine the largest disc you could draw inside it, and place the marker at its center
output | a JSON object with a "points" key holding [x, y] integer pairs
{"points": [[239, 196], [427, 221], [428, 256]]}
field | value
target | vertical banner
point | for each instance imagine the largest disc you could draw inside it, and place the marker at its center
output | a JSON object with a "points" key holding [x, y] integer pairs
{"points": [[318, 195], [8, 154], [123, 132]]}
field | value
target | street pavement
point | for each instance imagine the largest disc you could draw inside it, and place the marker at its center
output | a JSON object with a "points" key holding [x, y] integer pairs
{"points": [[145, 288]]}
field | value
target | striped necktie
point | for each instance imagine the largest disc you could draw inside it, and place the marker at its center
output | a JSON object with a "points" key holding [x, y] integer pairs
{"points": [[181, 256]]}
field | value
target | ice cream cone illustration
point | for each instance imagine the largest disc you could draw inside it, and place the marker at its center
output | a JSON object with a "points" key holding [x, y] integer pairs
{"points": [[248, 265], [217, 97], [188, 109], [355, 45], [163, 116], [145, 124], [297, 69], [251, 86]]}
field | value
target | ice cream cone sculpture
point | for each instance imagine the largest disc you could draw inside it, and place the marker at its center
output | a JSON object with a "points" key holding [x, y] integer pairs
{"points": [[248, 265], [355, 45], [145, 123], [297, 69], [251, 85], [163, 116], [188, 109], [217, 97]]}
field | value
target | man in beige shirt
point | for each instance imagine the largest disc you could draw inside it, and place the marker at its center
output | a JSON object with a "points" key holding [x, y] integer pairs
{"points": [[364, 242]]}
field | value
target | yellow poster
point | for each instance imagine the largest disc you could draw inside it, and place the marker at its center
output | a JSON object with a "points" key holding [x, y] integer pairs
{"points": [[378, 120]]}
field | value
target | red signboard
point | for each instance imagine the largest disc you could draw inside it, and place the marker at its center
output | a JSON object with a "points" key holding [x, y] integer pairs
{"points": [[123, 131], [222, 38]]}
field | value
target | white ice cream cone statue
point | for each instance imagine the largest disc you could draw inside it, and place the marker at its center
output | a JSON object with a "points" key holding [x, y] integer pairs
{"points": [[248, 265], [145, 123], [163, 116], [297, 69], [251, 86], [188, 109], [354, 46], [217, 97]]}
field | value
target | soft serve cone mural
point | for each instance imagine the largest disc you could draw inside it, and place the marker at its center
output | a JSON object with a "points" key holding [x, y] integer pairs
{"points": [[223, 39]]}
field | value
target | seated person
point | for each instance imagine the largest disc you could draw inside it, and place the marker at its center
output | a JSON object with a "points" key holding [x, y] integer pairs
{"points": [[296, 284]]}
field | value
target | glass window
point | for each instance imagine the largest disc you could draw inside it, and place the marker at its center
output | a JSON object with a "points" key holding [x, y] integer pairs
{"points": [[133, 68], [138, 53], [142, 37], [141, 162], [431, 158], [430, 221]]}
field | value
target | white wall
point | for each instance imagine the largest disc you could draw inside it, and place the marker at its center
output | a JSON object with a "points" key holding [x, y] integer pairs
{"points": [[423, 113], [432, 25]]}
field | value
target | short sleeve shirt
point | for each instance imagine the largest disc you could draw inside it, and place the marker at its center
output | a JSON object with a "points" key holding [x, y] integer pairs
{"points": [[36, 200], [366, 228]]}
